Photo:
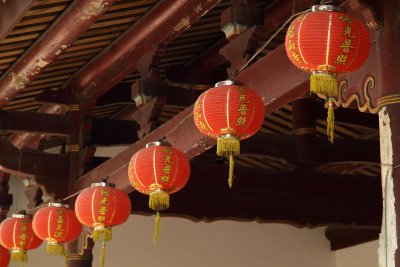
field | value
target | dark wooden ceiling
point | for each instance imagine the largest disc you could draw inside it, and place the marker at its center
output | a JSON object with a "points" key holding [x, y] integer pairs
{"points": [[351, 126]]}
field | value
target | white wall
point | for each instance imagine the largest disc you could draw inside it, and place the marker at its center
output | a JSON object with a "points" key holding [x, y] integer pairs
{"points": [[184, 243], [365, 255]]}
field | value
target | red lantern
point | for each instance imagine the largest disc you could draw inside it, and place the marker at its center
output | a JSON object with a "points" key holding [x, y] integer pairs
{"points": [[102, 206], [16, 233], [326, 42], [57, 224], [4, 257], [158, 171], [229, 113]]}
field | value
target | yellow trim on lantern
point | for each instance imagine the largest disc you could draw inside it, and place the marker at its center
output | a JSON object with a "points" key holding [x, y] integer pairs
{"points": [[48, 223], [15, 226], [227, 107], [298, 39], [204, 111], [154, 167], [92, 206], [134, 168], [328, 41]]}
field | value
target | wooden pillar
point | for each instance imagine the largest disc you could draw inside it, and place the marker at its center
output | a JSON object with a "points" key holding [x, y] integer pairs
{"points": [[389, 127], [303, 110]]}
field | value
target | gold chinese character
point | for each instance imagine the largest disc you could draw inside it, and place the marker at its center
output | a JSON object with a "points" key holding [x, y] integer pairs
{"points": [[341, 59], [167, 150], [104, 201], [346, 45], [103, 210], [296, 57], [243, 109], [60, 219], [23, 228], [23, 236], [165, 178], [59, 227], [167, 168], [347, 32], [58, 234], [241, 121], [346, 19], [198, 115], [105, 193], [22, 243], [291, 45], [290, 31], [101, 218], [202, 125], [60, 212], [241, 89], [242, 97], [167, 159]]}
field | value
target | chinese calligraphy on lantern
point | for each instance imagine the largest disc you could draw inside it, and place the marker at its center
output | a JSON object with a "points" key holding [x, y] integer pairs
{"points": [[103, 206], [347, 44], [243, 106], [23, 234], [167, 168], [59, 226]]}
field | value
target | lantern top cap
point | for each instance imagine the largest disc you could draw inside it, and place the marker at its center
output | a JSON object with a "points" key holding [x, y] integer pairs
{"points": [[157, 143], [58, 205], [327, 8], [103, 184], [228, 82], [21, 215]]}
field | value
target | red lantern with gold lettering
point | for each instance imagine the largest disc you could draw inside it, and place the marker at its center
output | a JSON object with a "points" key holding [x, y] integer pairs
{"points": [[158, 171], [57, 224], [326, 42], [229, 113], [4, 257], [102, 206], [16, 234]]}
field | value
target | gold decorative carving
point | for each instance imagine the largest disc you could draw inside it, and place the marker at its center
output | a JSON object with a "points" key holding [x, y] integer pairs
{"points": [[72, 148], [388, 100]]}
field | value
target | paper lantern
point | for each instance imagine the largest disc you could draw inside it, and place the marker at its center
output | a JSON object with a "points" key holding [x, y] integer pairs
{"points": [[326, 42], [102, 206], [158, 171], [4, 257], [16, 234], [229, 112], [57, 224]]}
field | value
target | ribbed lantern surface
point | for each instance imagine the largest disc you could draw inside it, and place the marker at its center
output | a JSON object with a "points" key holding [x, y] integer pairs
{"points": [[229, 112], [16, 234], [158, 171], [57, 224]]}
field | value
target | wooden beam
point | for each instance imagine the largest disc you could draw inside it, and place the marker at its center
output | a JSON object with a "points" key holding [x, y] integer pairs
{"points": [[107, 132], [299, 197], [27, 162], [340, 237], [11, 12], [34, 122]]}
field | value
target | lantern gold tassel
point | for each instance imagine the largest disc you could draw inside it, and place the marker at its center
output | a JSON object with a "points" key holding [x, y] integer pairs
{"points": [[159, 200], [156, 227], [330, 121], [228, 146], [324, 83], [231, 176], [55, 249], [102, 232], [18, 255], [102, 253]]}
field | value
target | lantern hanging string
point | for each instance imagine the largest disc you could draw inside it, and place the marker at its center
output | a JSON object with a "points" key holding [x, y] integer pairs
{"points": [[246, 64]]}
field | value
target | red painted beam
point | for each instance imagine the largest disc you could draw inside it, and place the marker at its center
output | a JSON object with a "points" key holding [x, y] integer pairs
{"points": [[79, 16], [11, 12], [162, 25], [274, 77]]}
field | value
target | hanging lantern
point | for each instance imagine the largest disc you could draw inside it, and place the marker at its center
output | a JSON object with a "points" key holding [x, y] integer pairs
{"points": [[327, 42], [229, 112], [102, 206], [158, 171], [57, 224], [4, 257], [16, 234]]}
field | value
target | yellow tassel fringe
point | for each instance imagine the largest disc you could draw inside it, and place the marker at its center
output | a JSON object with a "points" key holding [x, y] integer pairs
{"points": [[228, 146], [324, 83], [156, 228], [159, 200], [55, 249], [330, 122], [102, 253], [19, 255], [231, 176], [102, 233]]}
